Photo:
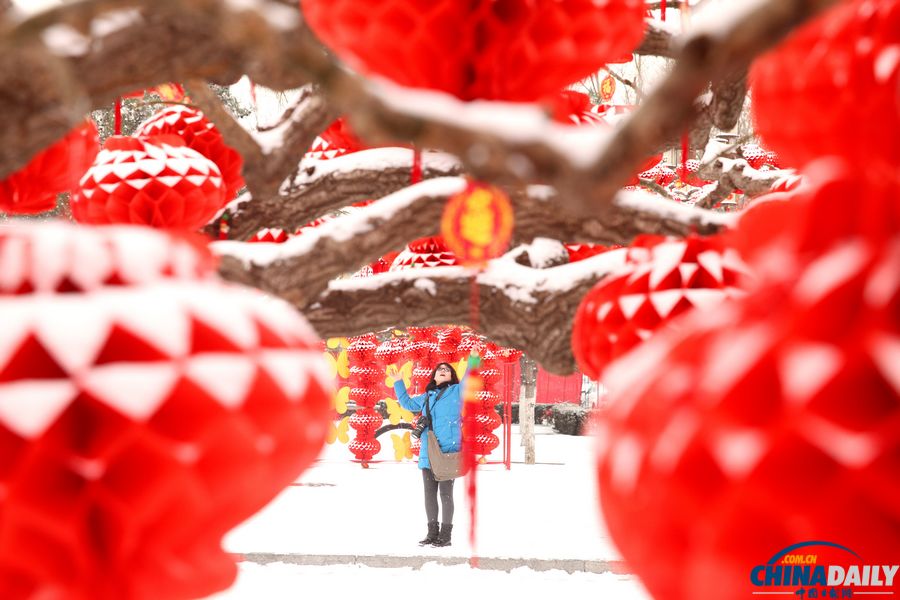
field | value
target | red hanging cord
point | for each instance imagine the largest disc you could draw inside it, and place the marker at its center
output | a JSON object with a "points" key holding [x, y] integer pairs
{"points": [[415, 176], [118, 117], [685, 150], [662, 9]]}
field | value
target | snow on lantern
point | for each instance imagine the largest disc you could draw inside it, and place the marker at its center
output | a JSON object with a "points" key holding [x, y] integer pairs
{"points": [[147, 408], [661, 279], [477, 224], [200, 134], [149, 181]]}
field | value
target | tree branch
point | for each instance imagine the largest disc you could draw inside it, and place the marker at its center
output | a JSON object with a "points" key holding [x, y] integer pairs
{"points": [[300, 269], [520, 307], [324, 186]]}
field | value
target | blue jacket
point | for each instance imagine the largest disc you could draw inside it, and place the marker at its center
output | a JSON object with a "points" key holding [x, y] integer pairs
{"points": [[445, 416]]}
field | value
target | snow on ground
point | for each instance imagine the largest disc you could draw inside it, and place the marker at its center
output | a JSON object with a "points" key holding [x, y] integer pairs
{"points": [[280, 581], [547, 511]]}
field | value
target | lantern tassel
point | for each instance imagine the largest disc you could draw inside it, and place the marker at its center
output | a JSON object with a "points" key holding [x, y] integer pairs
{"points": [[662, 10]]}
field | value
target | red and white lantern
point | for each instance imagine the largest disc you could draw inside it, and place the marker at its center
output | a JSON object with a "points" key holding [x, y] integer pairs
{"points": [[158, 182], [145, 409]]}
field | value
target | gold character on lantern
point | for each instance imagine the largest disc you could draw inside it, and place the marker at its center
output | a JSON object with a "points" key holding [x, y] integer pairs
{"points": [[477, 220]]}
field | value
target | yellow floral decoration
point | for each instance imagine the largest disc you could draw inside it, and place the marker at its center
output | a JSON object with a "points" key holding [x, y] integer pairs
{"points": [[402, 446]]}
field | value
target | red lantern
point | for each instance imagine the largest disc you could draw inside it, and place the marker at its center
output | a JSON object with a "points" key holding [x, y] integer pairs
{"points": [[477, 224], [200, 134], [720, 431], [364, 449], [665, 175], [57, 169], [498, 51], [362, 349], [365, 376], [843, 73], [389, 351], [510, 355], [143, 415], [608, 86], [269, 236], [754, 155], [425, 252], [149, 181], [335, 141], [570, 107], [364, 396], [421, 376], [366, 421], [662, 278]]}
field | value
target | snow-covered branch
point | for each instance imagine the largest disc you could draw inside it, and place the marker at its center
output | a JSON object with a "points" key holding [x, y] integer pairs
{"points": [[736, 174], [300, 269], [323, 186], [270, 155], [521, 307]]}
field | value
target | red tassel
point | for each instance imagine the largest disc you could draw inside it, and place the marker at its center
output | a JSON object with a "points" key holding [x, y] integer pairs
{"points": [[685, 150], [662, 9], [118, 117]]}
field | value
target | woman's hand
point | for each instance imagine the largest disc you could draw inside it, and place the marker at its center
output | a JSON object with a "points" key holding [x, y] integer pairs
{"points": [[393, 374]]}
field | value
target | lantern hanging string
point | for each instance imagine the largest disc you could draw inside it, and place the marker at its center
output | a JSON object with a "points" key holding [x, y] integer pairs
{"points": [[415, 175], [117, 114]]}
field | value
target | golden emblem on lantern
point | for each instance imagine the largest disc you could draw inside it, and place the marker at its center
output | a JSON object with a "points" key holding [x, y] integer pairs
{"points": [[477, 224], [607, 88]]}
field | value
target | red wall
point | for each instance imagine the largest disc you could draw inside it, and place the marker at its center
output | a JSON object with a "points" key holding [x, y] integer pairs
{"points": [[552, 389]]}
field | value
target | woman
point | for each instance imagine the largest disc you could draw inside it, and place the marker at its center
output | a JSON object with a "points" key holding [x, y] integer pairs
{"points": [[444, 397]]}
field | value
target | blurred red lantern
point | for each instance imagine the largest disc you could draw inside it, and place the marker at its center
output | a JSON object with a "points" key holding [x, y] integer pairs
{"points": [[662, 278], [831, 88], [721, 431], [426, 252], [200, 134], [52, 171], [145, 412], [570, 107], [608, 86], [477, 224], [665, 175], [149, 181], [488, 50], [754, 155], [269, 236], [335, 141]]}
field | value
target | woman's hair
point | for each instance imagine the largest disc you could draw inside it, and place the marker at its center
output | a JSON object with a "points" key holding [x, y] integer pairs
{"points": [[453, 378]]}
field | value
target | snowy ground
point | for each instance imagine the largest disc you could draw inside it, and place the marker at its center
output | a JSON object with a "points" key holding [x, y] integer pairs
{"points": [[279, 581], [546, 511]]}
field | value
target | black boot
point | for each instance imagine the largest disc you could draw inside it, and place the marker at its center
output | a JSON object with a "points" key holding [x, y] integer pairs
{"points": [[432, 536], [443, 538]]}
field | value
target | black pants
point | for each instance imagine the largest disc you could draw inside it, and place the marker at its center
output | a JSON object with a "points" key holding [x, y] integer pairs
{"points": [[431, 493]]}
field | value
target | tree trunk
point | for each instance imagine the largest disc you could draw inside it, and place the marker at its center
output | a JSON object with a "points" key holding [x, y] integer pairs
{"points": [[526, 407]]}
